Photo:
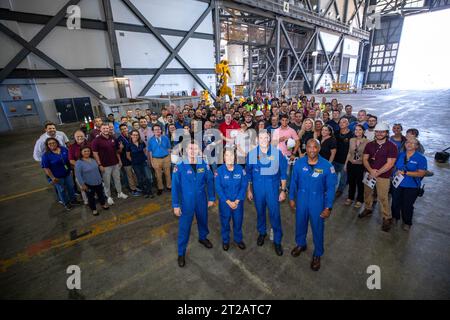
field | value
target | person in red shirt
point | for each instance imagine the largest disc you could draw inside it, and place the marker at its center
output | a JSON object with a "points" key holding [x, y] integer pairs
{"points": [[227, 127], [379, 159], [194, 93], [105, 152]]}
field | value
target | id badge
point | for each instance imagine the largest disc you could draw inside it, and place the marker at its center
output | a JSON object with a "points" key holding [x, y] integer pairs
{"points": [[397, 180]]}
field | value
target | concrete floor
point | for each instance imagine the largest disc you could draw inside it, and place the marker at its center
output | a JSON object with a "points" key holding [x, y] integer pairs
{"points": [[129, 252]]}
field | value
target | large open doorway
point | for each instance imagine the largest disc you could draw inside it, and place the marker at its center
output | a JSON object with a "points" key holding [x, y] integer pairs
{"points": [[422, 61]]}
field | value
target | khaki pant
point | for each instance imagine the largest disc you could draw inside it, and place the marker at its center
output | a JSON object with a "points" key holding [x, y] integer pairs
{"points": [[160, 165], [132, 180], [382, 194]]}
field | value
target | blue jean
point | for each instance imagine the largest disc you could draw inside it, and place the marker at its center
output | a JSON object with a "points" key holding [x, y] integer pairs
{"points": [[339, 167], [65, 189], [144, 177]]}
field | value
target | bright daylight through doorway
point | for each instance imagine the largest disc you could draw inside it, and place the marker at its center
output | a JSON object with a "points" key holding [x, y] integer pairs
{"points": [[423, 54]]}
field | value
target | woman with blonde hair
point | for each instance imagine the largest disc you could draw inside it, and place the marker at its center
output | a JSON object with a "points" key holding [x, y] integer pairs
{"points": [[306, 133]]}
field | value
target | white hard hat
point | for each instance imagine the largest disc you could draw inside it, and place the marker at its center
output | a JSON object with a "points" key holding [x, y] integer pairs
{"points": [[290, 143], [174, 158], [382, 127], [233, 133], [259, 113]]}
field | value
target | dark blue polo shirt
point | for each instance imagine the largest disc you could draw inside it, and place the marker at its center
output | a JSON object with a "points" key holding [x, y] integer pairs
{"points": [[137, 153], [58, 164]]}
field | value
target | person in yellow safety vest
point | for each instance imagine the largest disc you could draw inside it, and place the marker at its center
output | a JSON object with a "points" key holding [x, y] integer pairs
{"points": [[323, 104], [299, 105], [249, 106]]}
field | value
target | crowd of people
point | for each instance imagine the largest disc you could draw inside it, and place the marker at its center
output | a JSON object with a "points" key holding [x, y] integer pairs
{"points": [[265, 150]]}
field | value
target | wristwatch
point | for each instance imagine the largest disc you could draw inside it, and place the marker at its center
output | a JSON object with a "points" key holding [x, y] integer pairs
{"points": [[284, 190]]}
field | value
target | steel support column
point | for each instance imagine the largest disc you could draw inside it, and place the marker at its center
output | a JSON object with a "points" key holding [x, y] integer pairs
{"points": [[250, 70], [277, 57], [117, 69], [217, 31]]}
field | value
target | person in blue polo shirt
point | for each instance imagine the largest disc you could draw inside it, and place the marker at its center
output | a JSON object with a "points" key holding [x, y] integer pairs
{"points": [[159, 149], [56, 165], [190, 179], [312, 195], [267, 170], [411, 165], [231, 186]]}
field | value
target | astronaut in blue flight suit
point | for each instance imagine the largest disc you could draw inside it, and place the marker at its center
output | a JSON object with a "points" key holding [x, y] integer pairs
{"points": [[231, 186], [312, 193], [190, 178], [266, 168]]}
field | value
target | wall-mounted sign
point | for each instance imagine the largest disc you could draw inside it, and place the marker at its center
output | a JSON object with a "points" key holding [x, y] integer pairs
{"points": [[286, 6], [15, 92], [12, 110]]}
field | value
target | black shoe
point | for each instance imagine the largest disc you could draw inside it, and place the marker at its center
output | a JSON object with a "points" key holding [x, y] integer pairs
{"points": [[225, 246], [159, 192], [278, 249], [169, 189], [365, 213], [297, 250], [260, 240], [241, 245], [68, 207], [75, 202], [181, 261], [315, 263], [386, 226], [206, 243]]}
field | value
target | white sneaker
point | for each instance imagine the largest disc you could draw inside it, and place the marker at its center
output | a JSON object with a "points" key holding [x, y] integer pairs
{"points": [[110, 201], [122, 196]]}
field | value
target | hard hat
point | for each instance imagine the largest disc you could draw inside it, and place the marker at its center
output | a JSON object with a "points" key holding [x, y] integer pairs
{"points": [[381, 127], [174, 158], [290, 143], [259, 113], [233, 133]]}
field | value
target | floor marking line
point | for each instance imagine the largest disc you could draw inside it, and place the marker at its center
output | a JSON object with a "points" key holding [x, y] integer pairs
{"points": [[252, 277], [23, 194], [64, 242]]}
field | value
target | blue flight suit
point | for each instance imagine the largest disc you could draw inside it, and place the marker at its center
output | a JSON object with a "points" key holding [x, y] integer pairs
{"points": [[188, 192], [231, 185], [266, 171], [312, 188]]}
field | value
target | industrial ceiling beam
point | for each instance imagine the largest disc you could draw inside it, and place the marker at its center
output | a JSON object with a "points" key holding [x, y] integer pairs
{"points": [[296, 16], [43, 56], [156, 33], [112, 38], [36, 40]]}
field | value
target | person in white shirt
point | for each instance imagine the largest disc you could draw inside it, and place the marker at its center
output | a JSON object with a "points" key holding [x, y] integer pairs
{"points": [[50, 132], [370, 132]]}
